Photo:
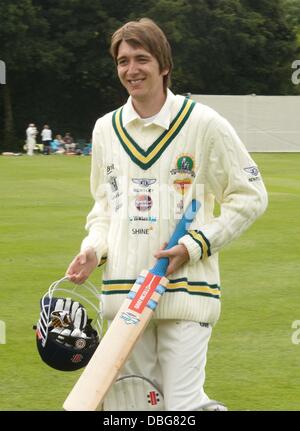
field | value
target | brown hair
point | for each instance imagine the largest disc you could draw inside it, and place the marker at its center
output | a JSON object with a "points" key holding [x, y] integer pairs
{"points": [[147, 34]]}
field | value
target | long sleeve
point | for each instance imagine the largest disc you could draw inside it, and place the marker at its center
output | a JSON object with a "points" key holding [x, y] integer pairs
{"points": [[98, 219], [234, 180]]}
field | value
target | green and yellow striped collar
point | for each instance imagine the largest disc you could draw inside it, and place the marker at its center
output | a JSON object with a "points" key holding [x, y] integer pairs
{"points": [[145, 159]]}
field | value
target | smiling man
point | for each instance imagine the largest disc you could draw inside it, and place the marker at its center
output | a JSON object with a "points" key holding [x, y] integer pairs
{"points": [[150, 158], [143, 71]]}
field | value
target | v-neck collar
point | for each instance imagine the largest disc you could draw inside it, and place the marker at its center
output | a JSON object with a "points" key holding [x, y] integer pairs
{"points": [[146, 158]]}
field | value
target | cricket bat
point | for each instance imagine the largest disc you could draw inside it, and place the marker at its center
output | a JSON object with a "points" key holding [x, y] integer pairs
{"points": [[128, 325]]}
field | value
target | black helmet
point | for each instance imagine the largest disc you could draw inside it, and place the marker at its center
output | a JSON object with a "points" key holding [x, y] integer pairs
{"points": [[65, 336]]}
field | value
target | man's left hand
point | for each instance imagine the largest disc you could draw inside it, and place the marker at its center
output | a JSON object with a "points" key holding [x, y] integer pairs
{"points": [[177, 255]]}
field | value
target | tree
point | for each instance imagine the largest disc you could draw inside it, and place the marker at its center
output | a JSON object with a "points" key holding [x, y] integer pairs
{"points": [[21, 51], [292, 14], [59, 70], [80, 80], [237, 47]]}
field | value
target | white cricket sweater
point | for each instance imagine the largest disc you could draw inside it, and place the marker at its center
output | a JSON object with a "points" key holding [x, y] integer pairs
{"points": [[143, 176]]}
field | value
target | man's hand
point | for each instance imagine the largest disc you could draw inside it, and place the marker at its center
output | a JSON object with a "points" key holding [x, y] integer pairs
{"points": [[82, 266], [177, 255]]}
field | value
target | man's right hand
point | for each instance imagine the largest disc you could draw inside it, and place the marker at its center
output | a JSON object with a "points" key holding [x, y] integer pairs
{"points": [[82, 266]]}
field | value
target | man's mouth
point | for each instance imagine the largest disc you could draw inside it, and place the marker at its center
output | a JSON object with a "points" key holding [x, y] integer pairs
{"points": [[135, 81]]}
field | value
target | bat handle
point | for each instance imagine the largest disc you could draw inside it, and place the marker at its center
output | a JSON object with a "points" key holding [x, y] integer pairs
{"points": [[160, 268]]}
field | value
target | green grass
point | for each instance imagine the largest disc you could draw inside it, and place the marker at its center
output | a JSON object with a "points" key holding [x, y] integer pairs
{"points": [[252, 363]]}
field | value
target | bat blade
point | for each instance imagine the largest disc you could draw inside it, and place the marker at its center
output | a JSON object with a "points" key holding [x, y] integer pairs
{"points": [[118, 342]]}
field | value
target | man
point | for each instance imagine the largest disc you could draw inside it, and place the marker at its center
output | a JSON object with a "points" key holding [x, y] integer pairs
{"points": [[149, 159], [46, 139], [31, 133]]}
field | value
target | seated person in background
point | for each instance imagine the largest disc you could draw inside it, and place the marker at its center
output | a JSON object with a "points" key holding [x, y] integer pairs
{"points": [[58, 145], [87, 151], [53, 146], [70, 146]]}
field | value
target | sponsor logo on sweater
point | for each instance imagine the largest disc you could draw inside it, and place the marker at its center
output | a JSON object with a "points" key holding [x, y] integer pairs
{"points": [[113, 183], [144, 182], [151, 219], [182, 184], [254, 172], [143, 202], [141, 231], [110, 168], [143, 185], [184, 173], [184, 165]]}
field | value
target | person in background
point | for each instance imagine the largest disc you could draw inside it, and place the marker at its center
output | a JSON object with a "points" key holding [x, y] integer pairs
{"points": [[58, 145], [70, 146], [87, 151], [31, 133], [46, 139]]}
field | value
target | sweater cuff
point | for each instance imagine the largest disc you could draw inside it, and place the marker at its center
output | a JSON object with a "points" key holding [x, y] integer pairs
{"points": [[197, 245], [192, 247]]}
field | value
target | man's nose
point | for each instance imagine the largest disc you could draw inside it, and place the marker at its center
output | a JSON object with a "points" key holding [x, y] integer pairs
{"points": [[132, 67]]}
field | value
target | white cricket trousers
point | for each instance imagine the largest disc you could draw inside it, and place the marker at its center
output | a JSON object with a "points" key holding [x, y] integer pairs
{"points": [[30, 146], [172, 354]]}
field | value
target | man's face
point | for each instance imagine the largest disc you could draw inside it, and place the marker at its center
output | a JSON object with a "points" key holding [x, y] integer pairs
{"points": [[139, 72]]}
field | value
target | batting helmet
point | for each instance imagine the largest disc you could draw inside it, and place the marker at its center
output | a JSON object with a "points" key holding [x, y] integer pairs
{"points": [[65, 336]]}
